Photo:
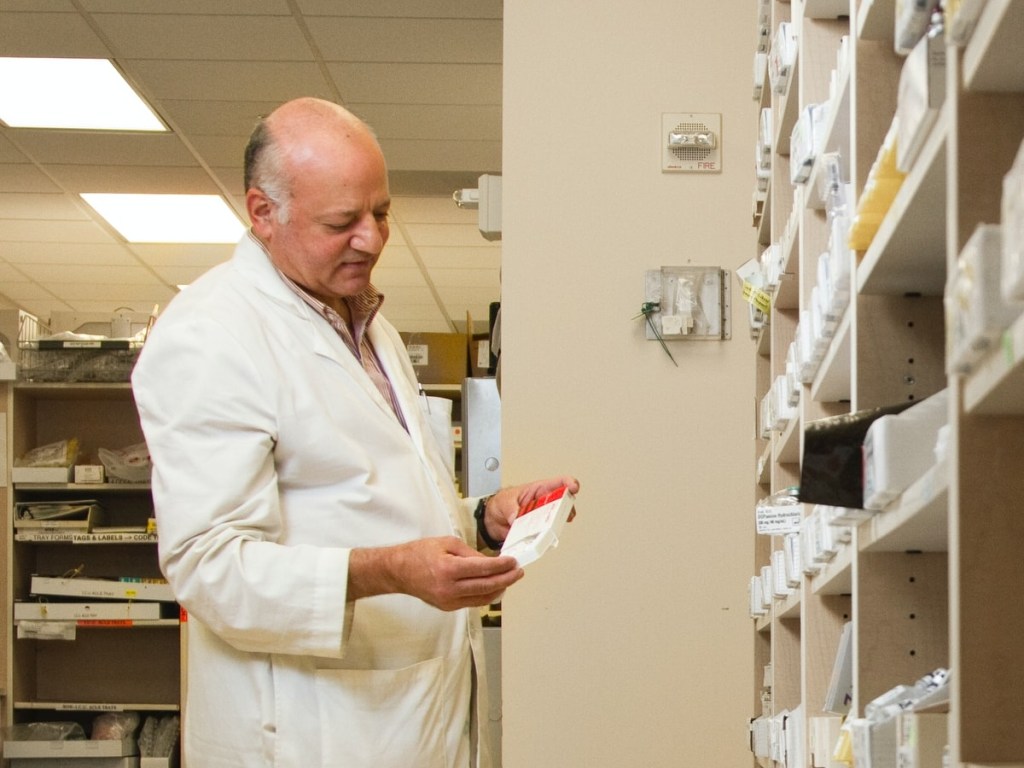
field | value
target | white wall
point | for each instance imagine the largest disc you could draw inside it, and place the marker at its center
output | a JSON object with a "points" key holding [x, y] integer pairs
{"points": [[630, 645]]}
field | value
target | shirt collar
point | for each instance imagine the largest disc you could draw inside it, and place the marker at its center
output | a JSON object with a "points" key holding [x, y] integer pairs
{"points": [[363, 306]]}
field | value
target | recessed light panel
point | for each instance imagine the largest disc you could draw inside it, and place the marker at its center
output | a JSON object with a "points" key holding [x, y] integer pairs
{"points": [[76, 94], [168, 218]]}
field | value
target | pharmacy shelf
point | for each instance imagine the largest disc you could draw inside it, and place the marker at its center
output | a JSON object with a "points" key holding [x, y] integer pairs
{"points": [[992, 60], [836, 576], [837, 139], [996, 386], [876, 19], [907, 255], [916, 522], [826, 9], [832, 381]]}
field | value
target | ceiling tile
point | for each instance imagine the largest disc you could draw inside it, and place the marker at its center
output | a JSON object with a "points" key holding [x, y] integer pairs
{"points": [[204, 36], [478, 9], [463, 278], [432, 210], [476, 156], [57, 35], [140, 179], [215, 118], [463, 257], [53, 274], [68, 253], [22, 177], [12, 230], [149, 294], [463, 41], [242, 80], [41, 207], [402, 83], [203, 255], [451, 122], [252, 7], [104, 148], [445, 235]]}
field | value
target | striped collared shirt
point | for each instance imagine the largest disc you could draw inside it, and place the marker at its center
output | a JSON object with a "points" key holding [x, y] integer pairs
{"points": [[363, 307]]}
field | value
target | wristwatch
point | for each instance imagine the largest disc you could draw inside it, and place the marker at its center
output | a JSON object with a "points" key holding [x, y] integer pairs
{"points": [[481, 526]]}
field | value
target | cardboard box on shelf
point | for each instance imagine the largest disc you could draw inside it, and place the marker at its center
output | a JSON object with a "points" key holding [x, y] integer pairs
{"points": [[89, 473], [438, 358]]}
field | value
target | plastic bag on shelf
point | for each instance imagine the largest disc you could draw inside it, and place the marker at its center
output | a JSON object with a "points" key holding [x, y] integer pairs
{"points": [[46, 731], [116, 726], [62, 453], [127, 465]]}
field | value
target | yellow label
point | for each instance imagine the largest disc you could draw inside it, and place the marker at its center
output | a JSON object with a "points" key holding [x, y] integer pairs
{"points": [[760, 299]]}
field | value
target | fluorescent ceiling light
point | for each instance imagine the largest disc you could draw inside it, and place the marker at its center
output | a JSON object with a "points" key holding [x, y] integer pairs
{"points": [[168, 218], [83, 94]]}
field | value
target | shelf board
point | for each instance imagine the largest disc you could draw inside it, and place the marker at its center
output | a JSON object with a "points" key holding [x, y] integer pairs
{"points": [[836, 577], [826, 9], [837, 139], [117, 390], [85, 488], [876, 19], [764, 462], [764, 227], [788, 607], [992, 60], [908, 254], [787, 444], [916, 522], [996, 386], [789, 110], [787, 295], [832, 381], [86, 706]]}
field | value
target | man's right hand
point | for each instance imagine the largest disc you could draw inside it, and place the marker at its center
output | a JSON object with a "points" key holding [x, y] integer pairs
{"points": [[444, 572]]}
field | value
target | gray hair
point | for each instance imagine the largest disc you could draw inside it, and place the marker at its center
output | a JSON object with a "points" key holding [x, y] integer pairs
{"points": [[264, 169]]}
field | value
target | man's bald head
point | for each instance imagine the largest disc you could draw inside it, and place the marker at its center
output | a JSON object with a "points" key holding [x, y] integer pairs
{"points": [[299, 132]]}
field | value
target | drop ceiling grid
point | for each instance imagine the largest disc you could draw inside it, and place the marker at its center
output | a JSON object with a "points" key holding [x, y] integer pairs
{"points": [[426, 76]]}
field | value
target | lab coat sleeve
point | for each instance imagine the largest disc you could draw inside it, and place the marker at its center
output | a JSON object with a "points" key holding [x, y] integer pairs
{"points": [[207, 408]]}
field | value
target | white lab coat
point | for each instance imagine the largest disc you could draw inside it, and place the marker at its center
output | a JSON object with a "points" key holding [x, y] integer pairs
{"points": [[274, 455]]}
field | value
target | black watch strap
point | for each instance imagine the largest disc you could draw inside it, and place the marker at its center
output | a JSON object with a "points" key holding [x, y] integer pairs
{"points": [[481, 526]]}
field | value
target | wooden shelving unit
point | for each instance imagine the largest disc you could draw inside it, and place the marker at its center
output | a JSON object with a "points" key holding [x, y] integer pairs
{"points": [[934, 580]]}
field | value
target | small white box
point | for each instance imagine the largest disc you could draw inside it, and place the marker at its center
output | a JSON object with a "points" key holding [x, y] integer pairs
{"points": [[976, 313], [900, 448], [89, 473], [8, 370], [41, 474], [538, 525], [922, 89]]}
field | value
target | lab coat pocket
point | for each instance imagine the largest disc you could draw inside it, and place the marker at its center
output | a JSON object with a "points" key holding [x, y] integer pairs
{"points": [[391, 718]]}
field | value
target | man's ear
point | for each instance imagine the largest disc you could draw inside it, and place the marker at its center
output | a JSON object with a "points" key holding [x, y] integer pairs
{"points": [[261, 211]]}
